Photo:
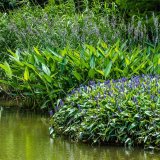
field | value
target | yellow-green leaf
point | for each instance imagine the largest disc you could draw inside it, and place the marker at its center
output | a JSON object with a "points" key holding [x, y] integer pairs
{"points": [[26, 74], [7, 69], [37, 51], [127, 61]]}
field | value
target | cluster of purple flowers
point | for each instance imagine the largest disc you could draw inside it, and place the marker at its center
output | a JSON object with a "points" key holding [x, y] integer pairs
{"points": [[118, 90], [59, 104], [114, 109]]}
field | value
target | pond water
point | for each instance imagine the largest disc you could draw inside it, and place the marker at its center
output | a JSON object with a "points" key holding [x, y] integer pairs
{"points": [[24, 136]]}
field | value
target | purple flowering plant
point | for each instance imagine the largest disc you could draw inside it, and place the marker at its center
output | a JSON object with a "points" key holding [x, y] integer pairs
{"points": [[123, 111]]}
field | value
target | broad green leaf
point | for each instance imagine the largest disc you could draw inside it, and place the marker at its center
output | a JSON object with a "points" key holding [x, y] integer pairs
{"points": [[26, 74], [92, 49], [77, 75], [39, 59], [92, 61], [127, 61], [7, 69], [55, 54], [100, 71], [101, 51], [91, 73], [47, 77], [46, 69], [37, 51], [104, 45], [107, 69], [133, 125], [15, 55]]}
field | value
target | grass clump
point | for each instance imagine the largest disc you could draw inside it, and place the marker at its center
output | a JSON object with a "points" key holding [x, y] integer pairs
{"points": [[123, 111]]}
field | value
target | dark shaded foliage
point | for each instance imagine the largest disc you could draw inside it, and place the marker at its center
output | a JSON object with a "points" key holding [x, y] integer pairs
{"points": [[139, 6], [6, 5], [39, 2]]}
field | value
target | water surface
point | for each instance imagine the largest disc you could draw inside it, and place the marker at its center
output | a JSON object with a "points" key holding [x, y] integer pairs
{"points": [[24, 136]]}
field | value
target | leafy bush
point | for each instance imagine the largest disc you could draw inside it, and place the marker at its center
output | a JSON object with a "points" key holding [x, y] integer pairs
{"points": [[123, 111], [45, 75]]}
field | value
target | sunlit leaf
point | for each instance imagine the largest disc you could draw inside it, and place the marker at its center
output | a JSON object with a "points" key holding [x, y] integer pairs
{"points": [[26, 74]]}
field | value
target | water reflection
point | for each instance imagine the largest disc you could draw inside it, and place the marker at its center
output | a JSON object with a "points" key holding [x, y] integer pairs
{"points": [[1, 110], [24, 136]]}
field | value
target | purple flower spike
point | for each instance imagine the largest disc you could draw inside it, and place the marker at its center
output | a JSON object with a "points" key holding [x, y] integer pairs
{"points": [[61, 102], [96, 98], [91, 82], [119, 109], [56, 108], [99, 83], [134, 99], [51, 113], [152, 97], [124, 79], [85, 88], [72, 92], [78, 90], [79, 107], [107, 82]]}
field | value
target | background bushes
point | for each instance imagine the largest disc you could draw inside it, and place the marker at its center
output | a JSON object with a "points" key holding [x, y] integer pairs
{"points": [[129, 6], [139, 6], [6, 5], [59, 26]]}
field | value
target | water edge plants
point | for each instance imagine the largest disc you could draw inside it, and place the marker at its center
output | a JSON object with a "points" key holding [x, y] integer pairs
{"points": [[123, 111], [46, 75]]}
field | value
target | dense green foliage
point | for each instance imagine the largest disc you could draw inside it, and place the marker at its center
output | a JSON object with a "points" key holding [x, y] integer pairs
{"points": [[123, 111], [47, 48], [86, 45], [58, 26], [139, 6], [81, 45], [130, 6], [48, 74], [7, 5]]}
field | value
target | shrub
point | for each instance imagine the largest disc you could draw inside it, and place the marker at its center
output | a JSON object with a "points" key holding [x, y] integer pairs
{"points": [[123, 111], [47, 74]]}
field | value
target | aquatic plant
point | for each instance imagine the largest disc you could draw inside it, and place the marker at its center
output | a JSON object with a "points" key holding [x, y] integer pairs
{"points": [[47, 75], [123, 111], [57, 27]]}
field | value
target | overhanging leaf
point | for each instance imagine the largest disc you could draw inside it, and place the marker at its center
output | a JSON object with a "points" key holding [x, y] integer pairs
{"points": [[26, 74]]}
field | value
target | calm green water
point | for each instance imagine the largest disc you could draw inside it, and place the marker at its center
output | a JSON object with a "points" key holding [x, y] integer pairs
{"points": [[24, 136]]}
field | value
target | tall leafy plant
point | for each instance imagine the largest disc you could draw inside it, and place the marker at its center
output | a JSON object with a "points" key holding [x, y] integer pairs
{"points": [[45, 75]]}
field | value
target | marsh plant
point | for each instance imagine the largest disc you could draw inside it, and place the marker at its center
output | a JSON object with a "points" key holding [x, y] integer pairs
{"points": [[123, 112], [45, 75], [60, 27]]}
